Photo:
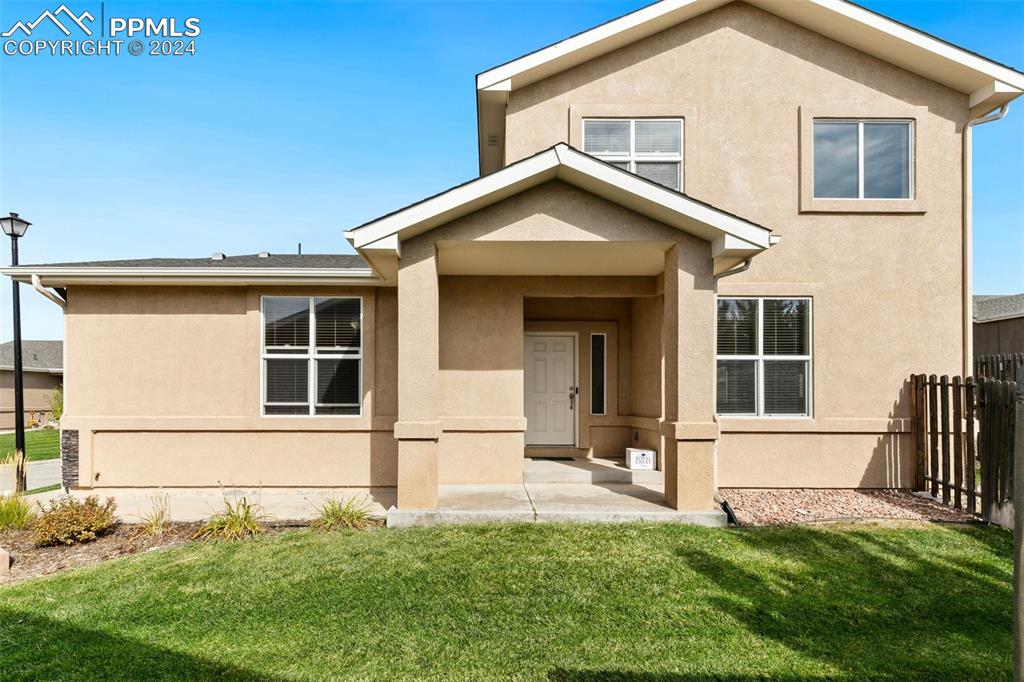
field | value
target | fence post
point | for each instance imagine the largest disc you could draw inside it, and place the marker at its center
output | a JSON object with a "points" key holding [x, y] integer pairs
{"points": [[917, 402], [1018, 530]]}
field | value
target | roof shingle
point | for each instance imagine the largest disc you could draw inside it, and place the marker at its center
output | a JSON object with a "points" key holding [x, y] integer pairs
{"points": [[988, 308], [34, 354]]}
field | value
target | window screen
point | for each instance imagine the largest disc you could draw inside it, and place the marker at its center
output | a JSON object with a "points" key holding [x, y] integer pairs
{"points": [[324, 378], [598, 351], [764, 356]]}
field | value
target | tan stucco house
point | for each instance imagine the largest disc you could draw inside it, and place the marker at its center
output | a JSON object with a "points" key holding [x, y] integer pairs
{"points": [[42, 374], [725, 231]]}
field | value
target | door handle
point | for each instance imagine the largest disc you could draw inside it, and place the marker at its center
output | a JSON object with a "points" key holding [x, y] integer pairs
{"points": [[572, 397]]}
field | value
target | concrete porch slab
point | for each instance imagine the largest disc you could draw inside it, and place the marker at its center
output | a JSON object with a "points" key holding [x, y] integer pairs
{"points": [[583, 470], [612, 503], [457, 504], [551, 502]]}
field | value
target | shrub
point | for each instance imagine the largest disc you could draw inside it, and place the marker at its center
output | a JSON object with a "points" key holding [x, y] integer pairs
{"points": [[66, 520], [158, 518], [238, 520], [355, 512], [57, 403], [15, 513]]}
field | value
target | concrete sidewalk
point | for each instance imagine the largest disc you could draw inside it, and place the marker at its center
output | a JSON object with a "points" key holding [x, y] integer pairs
{"points": [[41, 474]]}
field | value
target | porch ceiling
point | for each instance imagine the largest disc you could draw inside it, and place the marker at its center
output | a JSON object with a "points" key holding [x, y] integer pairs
{"points": [[551, 258]]}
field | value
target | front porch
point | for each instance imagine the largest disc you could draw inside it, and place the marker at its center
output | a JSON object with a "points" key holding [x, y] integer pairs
{"points": [[575, 490]]}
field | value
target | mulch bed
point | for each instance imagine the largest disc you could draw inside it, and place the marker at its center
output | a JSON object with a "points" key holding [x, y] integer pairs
{"points": [[786, 506], [125, 539]]}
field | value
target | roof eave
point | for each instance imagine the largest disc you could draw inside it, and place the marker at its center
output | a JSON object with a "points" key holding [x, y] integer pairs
{"points": [[82, 275]]}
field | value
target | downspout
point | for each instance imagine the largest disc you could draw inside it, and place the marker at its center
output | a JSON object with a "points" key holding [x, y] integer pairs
{"points": [[742, 267], [37, 284], [968, 236]]}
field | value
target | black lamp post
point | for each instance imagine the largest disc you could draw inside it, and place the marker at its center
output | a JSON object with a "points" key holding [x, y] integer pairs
{"points": [[15, 228]]}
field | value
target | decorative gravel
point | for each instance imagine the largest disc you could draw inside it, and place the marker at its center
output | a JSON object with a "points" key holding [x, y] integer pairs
{"points": [[783, 506]]}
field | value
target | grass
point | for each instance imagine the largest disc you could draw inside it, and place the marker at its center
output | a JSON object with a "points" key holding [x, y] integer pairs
{"points": [[354, 513], [545, 602], [44, 444], [238, 520], [15, 513]]}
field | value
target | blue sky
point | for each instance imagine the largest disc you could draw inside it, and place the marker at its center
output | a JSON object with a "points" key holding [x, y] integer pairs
{"points": [[291, 124]]}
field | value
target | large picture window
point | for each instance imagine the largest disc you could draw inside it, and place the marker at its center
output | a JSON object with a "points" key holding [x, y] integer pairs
{"points": [[312, 355], [650, 148], [764, 357], [863, 159]]}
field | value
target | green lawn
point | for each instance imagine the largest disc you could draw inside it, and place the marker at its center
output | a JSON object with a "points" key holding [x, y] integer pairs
{"points": [[546, 602], [39, 444]]}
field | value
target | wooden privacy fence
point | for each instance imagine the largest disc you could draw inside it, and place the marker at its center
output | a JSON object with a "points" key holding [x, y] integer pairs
{"points": [[964, 442], [998, 366]]}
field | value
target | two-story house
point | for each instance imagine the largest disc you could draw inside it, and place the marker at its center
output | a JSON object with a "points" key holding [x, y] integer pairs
{"points": [[724, 231]]}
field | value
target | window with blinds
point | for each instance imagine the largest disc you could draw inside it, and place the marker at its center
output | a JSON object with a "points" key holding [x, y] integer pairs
{"points": [[764, 357], [312, 355], [651, 148]]}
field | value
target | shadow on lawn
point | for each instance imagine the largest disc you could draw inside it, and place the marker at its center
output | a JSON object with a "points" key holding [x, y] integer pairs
{"points": [[563, 675], [870, 605], [34, 648]]}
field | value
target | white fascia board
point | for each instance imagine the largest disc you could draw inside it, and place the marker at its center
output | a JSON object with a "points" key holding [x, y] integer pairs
{"points": [[993, 95], [837, 19], [61, 276], [730, 245], [456, 202], [888, 27], [631, 27], [675, 202], [391, 243], [37, 370]]}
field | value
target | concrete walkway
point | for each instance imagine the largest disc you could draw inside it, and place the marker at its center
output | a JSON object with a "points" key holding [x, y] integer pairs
{"points": [[584, 491]]}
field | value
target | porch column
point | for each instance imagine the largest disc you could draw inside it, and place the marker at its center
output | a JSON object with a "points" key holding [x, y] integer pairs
{"points": [[689, 431], [418, 428]]}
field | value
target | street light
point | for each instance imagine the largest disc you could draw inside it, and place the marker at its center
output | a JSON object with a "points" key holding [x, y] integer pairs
{"points": [[15, 228]]}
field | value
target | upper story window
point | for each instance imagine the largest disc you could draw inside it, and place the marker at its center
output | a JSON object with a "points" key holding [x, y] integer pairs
{"points": [[651, 148], [312, 355], [764, 357], [863, 159]]}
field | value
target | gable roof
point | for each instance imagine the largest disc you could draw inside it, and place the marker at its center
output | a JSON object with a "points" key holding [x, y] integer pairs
{"points": [[727, 232], [993, 308], [37, 356], [989, 83]]}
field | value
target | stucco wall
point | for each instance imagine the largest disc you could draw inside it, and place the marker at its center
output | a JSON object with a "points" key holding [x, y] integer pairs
{"points": [[886, 286], [39, 388], [164, 385]]}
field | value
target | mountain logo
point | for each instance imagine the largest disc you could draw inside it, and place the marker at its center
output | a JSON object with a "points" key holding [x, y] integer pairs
{"points": [[77, 20]]}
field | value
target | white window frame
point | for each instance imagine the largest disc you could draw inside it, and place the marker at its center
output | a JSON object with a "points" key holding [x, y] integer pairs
{"points": [[604, 390], [911, 180], [311, 356], [760, 359], [632, 157]]}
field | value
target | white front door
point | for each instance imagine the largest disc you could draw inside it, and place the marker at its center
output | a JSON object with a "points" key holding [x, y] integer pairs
{"points": [[550, 386]]}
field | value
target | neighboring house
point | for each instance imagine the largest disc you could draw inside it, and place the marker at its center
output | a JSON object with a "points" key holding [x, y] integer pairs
{"points": [[43, 365], [998, 324], [728, 232]]}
